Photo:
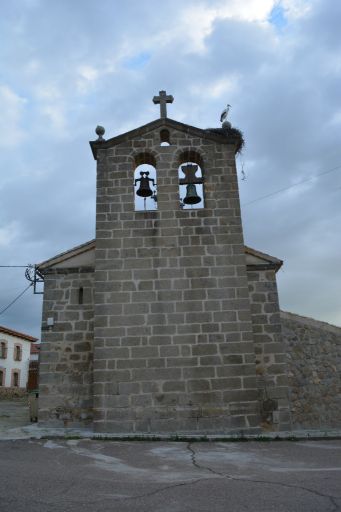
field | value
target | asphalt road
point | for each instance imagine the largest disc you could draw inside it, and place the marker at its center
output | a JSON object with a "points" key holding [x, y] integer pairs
{"points": [[103, 476]]}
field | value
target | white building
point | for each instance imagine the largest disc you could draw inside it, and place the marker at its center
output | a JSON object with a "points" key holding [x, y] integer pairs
{"points": [[15, 350]]}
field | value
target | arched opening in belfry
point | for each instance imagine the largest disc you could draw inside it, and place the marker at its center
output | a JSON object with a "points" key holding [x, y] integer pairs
{"points": [[145, 184], [164, 138], [191, 180]]}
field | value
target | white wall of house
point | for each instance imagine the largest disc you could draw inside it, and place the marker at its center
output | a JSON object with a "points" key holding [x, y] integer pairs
{"points": [[8, 363]]}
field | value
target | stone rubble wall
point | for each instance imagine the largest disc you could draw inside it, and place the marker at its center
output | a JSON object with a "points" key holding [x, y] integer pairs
{"points": [[313, 351], [272, 380], [12, 393], [66, 357]]}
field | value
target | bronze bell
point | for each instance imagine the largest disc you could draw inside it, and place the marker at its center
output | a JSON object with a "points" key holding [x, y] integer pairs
{"points": [[144, 190], [191, 195]]}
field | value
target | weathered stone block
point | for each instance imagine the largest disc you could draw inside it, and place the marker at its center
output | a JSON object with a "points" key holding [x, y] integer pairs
{"points": [[170, 386], [198, 385], [204, 349], [227, 383]]}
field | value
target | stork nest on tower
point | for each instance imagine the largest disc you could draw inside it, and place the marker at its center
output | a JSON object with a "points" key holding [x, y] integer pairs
{"points": [[233, 134]]}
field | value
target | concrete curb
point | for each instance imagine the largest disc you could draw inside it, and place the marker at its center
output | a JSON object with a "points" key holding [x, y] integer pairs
{"points": [[36, 432]]}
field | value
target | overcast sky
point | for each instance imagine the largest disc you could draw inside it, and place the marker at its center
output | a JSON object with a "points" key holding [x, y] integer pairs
{"points": [[67, 66]]}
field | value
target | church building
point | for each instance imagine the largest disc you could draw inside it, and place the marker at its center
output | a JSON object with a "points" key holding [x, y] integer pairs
{"points": [[166, 321]]}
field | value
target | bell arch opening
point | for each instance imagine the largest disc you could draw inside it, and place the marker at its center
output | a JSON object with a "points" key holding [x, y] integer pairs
{"points": [[191, 180], [164, 138], [145, 184]]}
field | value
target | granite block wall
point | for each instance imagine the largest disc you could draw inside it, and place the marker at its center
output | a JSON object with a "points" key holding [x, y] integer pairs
{"points": [[169, 330], [271, 370], [173, 348], [66, 357]]}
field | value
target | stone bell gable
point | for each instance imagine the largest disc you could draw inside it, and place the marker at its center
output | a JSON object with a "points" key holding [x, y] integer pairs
{"points": [[158, 128], [158, 324], [173, 341]]}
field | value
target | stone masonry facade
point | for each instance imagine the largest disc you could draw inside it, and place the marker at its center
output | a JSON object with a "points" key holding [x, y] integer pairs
{"points": [[271, 367], [166, 322], [173, 335], [174, 332], [65, 375]]}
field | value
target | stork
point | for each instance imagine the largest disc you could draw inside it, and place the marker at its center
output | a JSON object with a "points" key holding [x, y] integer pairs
{"points": [[224, 113]]}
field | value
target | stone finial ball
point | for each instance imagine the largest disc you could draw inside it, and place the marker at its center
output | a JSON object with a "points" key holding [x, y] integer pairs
{"points": [[100, 131]]}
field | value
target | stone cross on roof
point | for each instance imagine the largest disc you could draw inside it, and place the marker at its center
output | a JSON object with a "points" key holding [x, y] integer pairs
{"points": [[163, 99]]}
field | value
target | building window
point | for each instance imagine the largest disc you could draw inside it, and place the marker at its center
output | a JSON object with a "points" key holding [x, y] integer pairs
{"points": [[2, 377], [15, 379], [17, 352], [80, 295], [3, 350]]}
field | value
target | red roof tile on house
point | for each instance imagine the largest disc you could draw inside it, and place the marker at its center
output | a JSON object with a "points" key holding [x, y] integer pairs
{"points": [[18, 334]]}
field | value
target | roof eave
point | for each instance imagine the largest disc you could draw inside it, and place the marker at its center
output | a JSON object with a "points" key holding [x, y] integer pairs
{"points": [[66, 255], [273, 262]]}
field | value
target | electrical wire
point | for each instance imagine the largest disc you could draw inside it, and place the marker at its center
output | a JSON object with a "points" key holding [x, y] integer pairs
{"points": [[306, 180], [15, 300], [14, 266]]}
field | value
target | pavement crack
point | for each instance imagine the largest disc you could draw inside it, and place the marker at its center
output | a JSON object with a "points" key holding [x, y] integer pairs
{"points": [[198, 466], [166, 488], [332, 499], [147, 494], [15, 499]]}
